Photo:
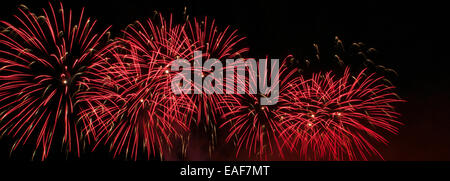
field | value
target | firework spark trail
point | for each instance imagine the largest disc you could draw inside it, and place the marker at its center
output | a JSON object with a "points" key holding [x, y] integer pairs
{"points": [[331, 118], [43, 63], [358, 55], [257, 128]]}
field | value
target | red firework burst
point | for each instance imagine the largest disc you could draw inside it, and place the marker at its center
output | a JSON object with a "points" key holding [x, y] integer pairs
{"points": [[331, 118], [131, 97], [43, 64], [255, 127]]}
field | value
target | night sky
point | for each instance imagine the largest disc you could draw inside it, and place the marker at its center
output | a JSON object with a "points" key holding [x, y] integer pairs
{"points": [[409, 38]]}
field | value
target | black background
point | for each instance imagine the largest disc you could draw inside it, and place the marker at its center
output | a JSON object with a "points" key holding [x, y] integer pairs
{"points": [[409, 36]]}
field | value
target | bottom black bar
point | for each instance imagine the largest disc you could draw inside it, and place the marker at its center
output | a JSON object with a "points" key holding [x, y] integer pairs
{"points": [[223, 170]]}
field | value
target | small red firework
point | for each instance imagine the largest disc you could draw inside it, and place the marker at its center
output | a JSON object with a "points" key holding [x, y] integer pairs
{"points": [[43, 64], [330, 118], [255, 127]]}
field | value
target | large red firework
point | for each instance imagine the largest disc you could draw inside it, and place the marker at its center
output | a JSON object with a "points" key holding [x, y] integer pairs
{"points": [[132, 106], [43, 64], [339, 118]]}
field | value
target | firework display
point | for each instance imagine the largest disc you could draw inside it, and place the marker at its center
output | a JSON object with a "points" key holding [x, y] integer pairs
{"points": [[61, 76]]}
